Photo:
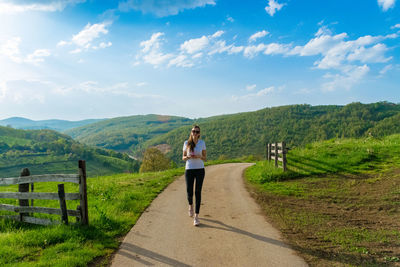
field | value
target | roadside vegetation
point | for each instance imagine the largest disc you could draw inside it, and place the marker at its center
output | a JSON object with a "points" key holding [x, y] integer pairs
{"points": [[338, 204]]}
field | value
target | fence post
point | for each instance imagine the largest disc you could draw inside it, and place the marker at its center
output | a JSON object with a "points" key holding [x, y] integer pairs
{"points": [[276, 155], [63, 204], [24, 188], [32, 188], [284, 155], [83, 192]]}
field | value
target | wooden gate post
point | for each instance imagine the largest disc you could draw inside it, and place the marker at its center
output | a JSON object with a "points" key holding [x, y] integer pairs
{"points": [[276, 155], [284, 156], [83, 192], [63, 204], [24, 188]]}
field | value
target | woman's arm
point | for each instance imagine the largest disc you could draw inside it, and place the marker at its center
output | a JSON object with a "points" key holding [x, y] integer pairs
{"points": [[185, 156], [204, 155]]}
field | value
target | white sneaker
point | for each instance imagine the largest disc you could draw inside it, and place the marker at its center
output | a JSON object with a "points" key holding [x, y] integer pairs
{"points": [[196, 221]]}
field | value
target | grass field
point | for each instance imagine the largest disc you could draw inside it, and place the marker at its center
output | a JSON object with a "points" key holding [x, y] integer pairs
{"points": [[338, 205], [115, 203]]}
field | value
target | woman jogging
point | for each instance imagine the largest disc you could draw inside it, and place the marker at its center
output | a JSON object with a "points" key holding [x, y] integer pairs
{"points": [[194, 153]]}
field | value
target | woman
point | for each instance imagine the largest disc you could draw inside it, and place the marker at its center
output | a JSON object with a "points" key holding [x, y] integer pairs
{"points": [[194, 153]]}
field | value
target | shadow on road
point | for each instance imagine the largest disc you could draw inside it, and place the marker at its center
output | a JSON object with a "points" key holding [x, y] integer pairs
{"points": [[226, 227], [134, 252]]}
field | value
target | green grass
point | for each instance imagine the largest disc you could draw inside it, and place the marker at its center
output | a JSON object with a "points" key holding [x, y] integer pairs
{"points": [[351, 156], [115, 204], [338, 202]]}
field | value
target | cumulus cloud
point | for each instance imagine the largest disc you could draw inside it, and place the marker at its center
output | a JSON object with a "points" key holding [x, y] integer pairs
{"points": [[258, 35], [151, 52], [85, 39], [260, 93], [195, 45], [272, 7], [348, 79], [397, 26], [11, 50], [161, 8], [386, 4], [18, 6]]}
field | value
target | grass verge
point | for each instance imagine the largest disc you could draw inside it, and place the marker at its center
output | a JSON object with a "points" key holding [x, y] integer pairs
{"points": [[338, 205]]}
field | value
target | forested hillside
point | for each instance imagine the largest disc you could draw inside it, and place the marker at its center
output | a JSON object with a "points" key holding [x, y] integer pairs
{"points": [[247, 133], [126, 133], [47, 151]]}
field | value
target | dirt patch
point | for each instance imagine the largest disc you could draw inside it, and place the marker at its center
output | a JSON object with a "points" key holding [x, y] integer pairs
{"points": [[340, 220]]}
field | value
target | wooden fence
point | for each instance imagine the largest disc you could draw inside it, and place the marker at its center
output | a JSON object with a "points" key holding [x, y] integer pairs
{"points": [[25, 211], [277, 152]]}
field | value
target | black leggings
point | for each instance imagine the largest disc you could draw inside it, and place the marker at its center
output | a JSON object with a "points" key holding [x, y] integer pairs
{"points": [[191, 175]]}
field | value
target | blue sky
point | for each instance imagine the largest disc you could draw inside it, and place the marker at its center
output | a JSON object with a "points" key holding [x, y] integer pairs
{"points": [[77, 59]]}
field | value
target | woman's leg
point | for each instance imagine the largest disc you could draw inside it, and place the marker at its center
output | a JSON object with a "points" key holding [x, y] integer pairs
{"points": [[189, 177], [199, 185]]}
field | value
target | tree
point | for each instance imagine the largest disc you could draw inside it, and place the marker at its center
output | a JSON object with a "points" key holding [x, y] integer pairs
{"points": [[154, 160]]}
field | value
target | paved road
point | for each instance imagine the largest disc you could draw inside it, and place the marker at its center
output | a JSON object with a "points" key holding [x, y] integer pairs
{"points": [[233, 231]]}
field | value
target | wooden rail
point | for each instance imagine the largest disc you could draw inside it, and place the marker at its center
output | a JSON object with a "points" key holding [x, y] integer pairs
{"points": [[25, 211], [277, 152]]}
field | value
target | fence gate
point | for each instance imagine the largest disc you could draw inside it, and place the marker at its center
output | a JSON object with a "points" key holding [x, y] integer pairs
{"points": [[277, 152], [23, 195]]}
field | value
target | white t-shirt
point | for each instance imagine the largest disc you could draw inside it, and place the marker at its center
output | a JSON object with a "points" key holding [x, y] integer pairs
{"points": [[198, 150]]}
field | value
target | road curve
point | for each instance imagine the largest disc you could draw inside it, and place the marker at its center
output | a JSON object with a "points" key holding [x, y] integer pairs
{"points": [[233, 231]]}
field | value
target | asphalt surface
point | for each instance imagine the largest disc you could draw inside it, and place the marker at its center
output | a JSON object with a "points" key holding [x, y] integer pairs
{"points": [[233, 230]]}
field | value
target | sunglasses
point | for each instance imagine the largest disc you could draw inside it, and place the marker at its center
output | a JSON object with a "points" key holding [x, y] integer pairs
{"points": [[195, 131]]}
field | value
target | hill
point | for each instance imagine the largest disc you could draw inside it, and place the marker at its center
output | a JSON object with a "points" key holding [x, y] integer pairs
{"points": [[126, 133], [47, 151], [237, 135], [58, 125]]}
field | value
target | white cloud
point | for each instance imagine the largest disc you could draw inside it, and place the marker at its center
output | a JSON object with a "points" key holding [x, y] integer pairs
{"points": [[258, 35], [217, 34], [11, 49], [89, 33], [349, 78], [85, 39], [261, 93], [62, 43], [272, 7], [397, 26], [221, 47], [180, 61], [274, 49], [230, 19], [38, 56], [162, 8], [12, 7], [385, 69], [373, 54], [195, 45], [198, 55], [251, 87], [151, 52], [386, 4], [252, 50]]}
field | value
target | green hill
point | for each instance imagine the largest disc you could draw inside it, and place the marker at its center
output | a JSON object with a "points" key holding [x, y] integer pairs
{"points": [[237, 135], [47, 151], [126, 133], [58, 125]]}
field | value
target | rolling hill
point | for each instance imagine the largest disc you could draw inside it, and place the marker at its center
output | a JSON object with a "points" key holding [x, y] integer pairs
{"points": [[242, 134], [126, 133], [47, 151], [58, 125]]}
